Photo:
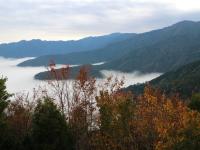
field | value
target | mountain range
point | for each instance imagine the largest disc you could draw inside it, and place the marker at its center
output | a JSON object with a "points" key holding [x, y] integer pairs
{"points": [[36, 47], [155, 51]]}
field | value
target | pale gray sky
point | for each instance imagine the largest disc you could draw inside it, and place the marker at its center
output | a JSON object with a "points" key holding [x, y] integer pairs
{"points": [[74, 19]]}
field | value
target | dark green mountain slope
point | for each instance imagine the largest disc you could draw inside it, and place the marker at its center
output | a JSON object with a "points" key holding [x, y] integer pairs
{"points": [[161, 57], [35, 48], [155, 51], [184, 80]]}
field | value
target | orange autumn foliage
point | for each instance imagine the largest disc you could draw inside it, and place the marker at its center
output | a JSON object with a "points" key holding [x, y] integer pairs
{"points": [[162, 121]]}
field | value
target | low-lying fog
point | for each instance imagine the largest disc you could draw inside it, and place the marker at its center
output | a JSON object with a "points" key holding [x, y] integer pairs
{"points": [[131, 78], [21, 79]]}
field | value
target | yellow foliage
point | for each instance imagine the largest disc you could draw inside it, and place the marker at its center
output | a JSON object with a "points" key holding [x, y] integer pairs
{"points": [[163, 120]]}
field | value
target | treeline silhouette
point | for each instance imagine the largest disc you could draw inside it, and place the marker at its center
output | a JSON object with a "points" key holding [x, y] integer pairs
{"points": [[86, 115]]}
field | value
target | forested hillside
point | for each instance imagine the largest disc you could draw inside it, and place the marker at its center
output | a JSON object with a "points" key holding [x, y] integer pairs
{"points": [[184, 81]]}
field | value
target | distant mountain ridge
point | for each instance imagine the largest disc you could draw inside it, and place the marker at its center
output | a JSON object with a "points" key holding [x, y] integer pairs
{"points": [[36, 47], [155, 51]]}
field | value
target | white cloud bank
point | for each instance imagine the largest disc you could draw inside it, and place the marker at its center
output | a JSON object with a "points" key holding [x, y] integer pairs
{"points": [[19, 79], [22, 79]]}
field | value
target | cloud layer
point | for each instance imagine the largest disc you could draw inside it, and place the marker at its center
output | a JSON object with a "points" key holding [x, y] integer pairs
{"points": [[21, 79], [70, 19]]}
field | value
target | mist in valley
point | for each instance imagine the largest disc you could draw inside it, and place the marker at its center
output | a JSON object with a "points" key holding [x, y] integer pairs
{"points": [[21, 79]]}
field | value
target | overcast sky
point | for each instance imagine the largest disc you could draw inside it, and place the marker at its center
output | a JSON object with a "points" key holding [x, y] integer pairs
{"points": [[74, 19]]}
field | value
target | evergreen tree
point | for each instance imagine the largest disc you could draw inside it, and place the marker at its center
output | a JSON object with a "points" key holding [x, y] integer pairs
{"points": [[50, 130], [4, 95]]}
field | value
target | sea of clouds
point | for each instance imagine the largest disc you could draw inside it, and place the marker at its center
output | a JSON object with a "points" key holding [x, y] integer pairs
{"points": [[21, 79]]}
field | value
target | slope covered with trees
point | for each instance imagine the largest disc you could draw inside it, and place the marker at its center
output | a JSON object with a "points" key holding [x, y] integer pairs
{"points": [[184, 81]]}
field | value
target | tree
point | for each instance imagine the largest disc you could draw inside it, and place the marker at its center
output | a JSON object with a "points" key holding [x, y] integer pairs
{"points": [[4, 96], [195, 102], [116, 112], [50, 130], [19, 121]]}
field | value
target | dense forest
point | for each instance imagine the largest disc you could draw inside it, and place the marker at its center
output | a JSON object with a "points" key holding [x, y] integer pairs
{"points": [[83, 115]]}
